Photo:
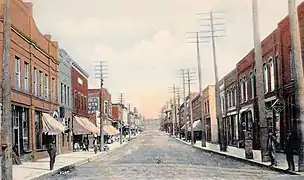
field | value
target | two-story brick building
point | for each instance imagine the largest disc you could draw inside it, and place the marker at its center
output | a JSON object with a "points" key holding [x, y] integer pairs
{"points": [[82, 126], [210, 114], [34, 77]]}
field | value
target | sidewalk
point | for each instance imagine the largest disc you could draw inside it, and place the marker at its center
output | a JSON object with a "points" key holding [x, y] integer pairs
{"points": [[239, 154], [40, 169]]}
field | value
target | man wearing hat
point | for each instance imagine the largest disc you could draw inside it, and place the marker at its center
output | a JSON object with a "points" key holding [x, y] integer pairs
{"points": [[289, 147]]}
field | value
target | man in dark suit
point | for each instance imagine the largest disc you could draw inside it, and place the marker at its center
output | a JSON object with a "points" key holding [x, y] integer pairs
{"points": [[289, 148], [52, 152]]}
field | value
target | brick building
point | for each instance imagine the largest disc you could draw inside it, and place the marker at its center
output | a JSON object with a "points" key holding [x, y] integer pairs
{"points": [[34, 77], [210, 114], [82, 126]]}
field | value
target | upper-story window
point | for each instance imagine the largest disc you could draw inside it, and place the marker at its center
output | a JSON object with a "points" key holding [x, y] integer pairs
{"points": [[17, 73], [68, 96], [265, 70], [228, 98], [246, 89], [272, 79], [35, 82], [61, 93], [53, 90], [242, 90], [232, 97], [46, 85], [26, 77], [106, 107], [235, 94], [41, 84], [252, 79]]}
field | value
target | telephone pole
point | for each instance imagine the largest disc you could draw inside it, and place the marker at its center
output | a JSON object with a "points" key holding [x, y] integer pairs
{"points": [[199, 70], [129, 120], [100, 74], [6, 125], [121, 99], [213, 30], [299, 86], [174, 90], [190, 106], [259, 81]]}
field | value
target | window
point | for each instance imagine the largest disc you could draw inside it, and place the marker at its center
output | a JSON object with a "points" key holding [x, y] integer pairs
{"points": [[53, 90], [46, 86], [242, 91], [26, 77], [235, 95], [291, 63], [252, 85], [246, 90], [38, 136], [68, 96], [41, 84], [35, 82], [265, 69], [272, 83], [65, 99], [17, 73], [61, 93], [25, 129], [232, 97]]}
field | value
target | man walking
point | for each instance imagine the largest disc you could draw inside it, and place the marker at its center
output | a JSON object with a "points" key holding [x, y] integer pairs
{"points": [[290, 144], [52, 152], [95, 144], [271, 146]]}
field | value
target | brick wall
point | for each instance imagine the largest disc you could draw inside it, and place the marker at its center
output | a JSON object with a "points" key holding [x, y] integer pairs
{"points": [[80, 92]]}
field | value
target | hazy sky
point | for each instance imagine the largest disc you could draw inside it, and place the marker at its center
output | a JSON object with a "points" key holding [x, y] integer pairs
{"points": [[144, 41]]}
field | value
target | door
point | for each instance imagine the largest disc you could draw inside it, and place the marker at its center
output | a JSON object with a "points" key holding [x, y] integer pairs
{"points": [[16, 137]]}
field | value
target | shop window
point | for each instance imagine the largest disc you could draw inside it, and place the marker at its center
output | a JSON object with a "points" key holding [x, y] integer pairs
{"points": [[38, 127]]}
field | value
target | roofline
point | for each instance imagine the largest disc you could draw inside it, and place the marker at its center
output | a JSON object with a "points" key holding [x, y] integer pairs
{"points": [[79, 69]]}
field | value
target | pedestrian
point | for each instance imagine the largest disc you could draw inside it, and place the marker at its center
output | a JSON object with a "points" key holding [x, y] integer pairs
{"points": [[52, 152], [95, 145], [289, 147], [271, 147]]}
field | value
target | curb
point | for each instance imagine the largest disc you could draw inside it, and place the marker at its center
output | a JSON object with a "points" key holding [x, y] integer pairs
{"points": [[79, 163], [247, 161]]}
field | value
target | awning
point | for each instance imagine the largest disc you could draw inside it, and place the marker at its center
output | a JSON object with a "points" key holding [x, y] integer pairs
{"points": [[116, 131], [82, 125], [184, 126], [50, 125], [197, 126], [109, 130]]}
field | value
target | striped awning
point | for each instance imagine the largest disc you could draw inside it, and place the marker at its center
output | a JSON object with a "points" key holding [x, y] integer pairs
{"points": [[197, 126], [50, 125], [109, 130], [184, 126], [82, 125]]}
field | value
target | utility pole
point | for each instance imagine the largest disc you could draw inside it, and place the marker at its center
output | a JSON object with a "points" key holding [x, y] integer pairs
{"points": [[174, 90], [121, 115], [190, 106], [299, 86], [213, 30], [183, 73], [199, 70], [129, 121], [99, 74], [259, 81], [6, 124]]}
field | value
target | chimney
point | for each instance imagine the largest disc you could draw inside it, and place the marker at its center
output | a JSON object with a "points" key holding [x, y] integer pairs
{"points": [[29, 6]]}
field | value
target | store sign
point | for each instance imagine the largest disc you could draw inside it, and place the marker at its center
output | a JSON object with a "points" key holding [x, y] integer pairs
{"points": [[80, 81], [278, 106]]}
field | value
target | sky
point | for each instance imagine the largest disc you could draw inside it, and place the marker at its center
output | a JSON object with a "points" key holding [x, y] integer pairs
{"points": [[145, 42]]}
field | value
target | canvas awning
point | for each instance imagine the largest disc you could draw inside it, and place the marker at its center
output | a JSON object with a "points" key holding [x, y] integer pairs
{"points": [[197, 126], [50, 125], [109, 130], [184, 126], [115, 131], [82, 125]]}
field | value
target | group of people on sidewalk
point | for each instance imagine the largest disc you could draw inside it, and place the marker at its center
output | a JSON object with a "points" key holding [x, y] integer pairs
{"points": [[290, 147]]}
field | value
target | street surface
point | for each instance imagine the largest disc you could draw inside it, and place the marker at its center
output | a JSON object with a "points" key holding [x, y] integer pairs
{"points": [[153, 155]]}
